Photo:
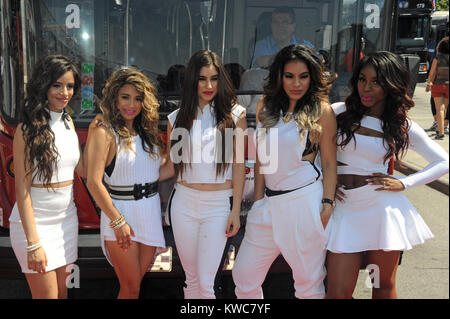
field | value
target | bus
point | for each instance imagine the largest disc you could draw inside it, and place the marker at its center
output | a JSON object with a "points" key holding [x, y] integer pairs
{"points": [[158, 37], [413, 33]]}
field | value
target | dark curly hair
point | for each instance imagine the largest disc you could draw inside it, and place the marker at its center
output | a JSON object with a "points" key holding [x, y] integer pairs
{"points": [[41, 154], [393, 76], [308, 109]]}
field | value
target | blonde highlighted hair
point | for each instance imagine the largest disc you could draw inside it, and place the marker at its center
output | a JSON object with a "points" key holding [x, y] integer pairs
{"points": [[146, 123]]}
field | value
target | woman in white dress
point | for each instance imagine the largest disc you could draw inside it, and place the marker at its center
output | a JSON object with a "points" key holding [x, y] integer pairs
{"points": [[125, 153], [372, 216], [44, 223]]}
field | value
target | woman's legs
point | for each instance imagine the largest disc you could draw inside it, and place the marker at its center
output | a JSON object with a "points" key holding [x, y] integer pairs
{"points": [[130, 266], [343, 271], [51, 285], [441, 105], [387, 263]]}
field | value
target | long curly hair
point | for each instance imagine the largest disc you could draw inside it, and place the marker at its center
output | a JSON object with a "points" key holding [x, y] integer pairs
{"points": [[41, 155], [393, 76], [222, 104], [146, 123], [308, 109]]}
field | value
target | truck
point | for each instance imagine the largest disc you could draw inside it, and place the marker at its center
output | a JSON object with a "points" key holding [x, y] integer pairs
{"points": [[413, 33], [158, 37]]}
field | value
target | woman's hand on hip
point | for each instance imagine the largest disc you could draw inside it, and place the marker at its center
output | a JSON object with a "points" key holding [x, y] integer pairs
{"points": [[387, 182]]}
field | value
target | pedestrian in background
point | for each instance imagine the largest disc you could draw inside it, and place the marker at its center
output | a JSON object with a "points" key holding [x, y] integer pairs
{"points": [[373, 218], [44, 222], [438, 81], [209, 170]]}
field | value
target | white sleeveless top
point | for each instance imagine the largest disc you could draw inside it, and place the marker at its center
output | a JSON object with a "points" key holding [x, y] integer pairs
{"points": [[202, 136], [136, 167], [280, 153], [66, 142], [367, 156]]}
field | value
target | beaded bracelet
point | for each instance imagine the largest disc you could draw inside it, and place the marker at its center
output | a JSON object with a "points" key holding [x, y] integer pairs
{"points": [[33, 247], [113, 224]]}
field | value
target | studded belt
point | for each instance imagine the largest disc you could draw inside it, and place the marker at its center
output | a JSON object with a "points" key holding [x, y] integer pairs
{"points": [[133, 192]]}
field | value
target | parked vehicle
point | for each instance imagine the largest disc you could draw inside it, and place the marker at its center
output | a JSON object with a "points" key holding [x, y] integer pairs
{"points": [[158, 37]]}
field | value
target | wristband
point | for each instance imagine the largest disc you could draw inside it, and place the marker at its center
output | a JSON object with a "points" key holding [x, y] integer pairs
{"points": [[329, 201]]}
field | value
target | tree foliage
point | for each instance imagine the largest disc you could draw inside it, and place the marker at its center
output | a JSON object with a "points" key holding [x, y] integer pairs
{"points": [[442, 5]]}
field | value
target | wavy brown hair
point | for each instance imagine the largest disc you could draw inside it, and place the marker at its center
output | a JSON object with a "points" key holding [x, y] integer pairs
{"points": [[146, 123], [308, 109], [41, 155], [222, 104], [393, 76]]}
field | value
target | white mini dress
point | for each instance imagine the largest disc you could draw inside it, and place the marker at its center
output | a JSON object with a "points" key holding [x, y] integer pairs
{"points": [[143, 215], [381, 220], [55, 213]]}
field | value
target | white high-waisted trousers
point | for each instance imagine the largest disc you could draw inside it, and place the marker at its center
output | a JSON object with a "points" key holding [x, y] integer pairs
{"points": [[289, 224], [56, 219], [199, 221]]}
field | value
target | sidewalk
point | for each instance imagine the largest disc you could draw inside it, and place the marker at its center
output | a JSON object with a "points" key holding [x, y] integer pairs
{"points": [[421, 114]]}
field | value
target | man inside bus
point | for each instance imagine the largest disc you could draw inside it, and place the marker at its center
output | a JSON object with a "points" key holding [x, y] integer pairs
{"points": [[283, 27]]}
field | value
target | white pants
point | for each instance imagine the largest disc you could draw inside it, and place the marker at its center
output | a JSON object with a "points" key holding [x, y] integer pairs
{"points": [[289, 224], [199, 221]]}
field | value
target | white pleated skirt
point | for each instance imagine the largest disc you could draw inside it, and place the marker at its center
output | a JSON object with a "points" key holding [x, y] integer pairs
{"points": [[143, 216], [56, 221], [376, 220]]}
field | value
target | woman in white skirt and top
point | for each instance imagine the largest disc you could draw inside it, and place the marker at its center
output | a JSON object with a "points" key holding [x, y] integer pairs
{"points": [[372, 216], [44, 222], [125, 153], [294, 191], [209, 171]]}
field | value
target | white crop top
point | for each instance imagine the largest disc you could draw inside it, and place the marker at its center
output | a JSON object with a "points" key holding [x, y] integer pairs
{"points": [[202, 136], [368, 155], [136, 167], [280, 155], [66, 142]]}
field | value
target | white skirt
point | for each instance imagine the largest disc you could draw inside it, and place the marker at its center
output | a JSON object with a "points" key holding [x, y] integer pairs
{"points": [[376, 220], [56, 221], [143, 216]]}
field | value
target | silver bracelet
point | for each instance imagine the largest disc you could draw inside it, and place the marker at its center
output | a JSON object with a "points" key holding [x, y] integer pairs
{"points": [[120, 224], [33, 247]]}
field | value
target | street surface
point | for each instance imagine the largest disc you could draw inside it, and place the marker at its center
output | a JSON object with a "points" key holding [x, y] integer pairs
{"points": [[423, 273]]}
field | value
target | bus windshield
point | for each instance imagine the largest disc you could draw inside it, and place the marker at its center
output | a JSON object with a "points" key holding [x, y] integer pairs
{"points": [[412, 31], [159, 36]]}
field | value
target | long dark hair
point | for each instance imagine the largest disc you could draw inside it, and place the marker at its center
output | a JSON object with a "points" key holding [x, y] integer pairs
{"points": [[308, 109], [222, 104], [41, 154], [393, 76], [146, 123]]}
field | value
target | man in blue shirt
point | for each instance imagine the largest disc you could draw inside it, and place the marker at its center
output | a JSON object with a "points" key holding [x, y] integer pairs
{"points": [[283, 27]]}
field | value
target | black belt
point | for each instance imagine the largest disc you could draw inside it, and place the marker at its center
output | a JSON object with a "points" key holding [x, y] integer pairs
{"points": [[133, 192], [270, 192]]}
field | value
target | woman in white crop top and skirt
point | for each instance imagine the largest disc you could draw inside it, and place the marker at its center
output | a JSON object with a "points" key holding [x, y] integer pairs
{"points": [[125, 153], [209, 168], [373, 217], [294, 190], [44, 222]]}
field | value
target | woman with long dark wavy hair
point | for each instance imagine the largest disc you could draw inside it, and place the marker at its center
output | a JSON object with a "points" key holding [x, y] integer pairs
{"points": [[294, 191], [125, 153], [206, 143], [44, 223], [372, 217]]}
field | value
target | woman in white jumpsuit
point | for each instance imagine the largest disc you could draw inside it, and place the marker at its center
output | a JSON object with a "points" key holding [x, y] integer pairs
{"points": [[209, 170], [373, 216], [294, 192]]}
